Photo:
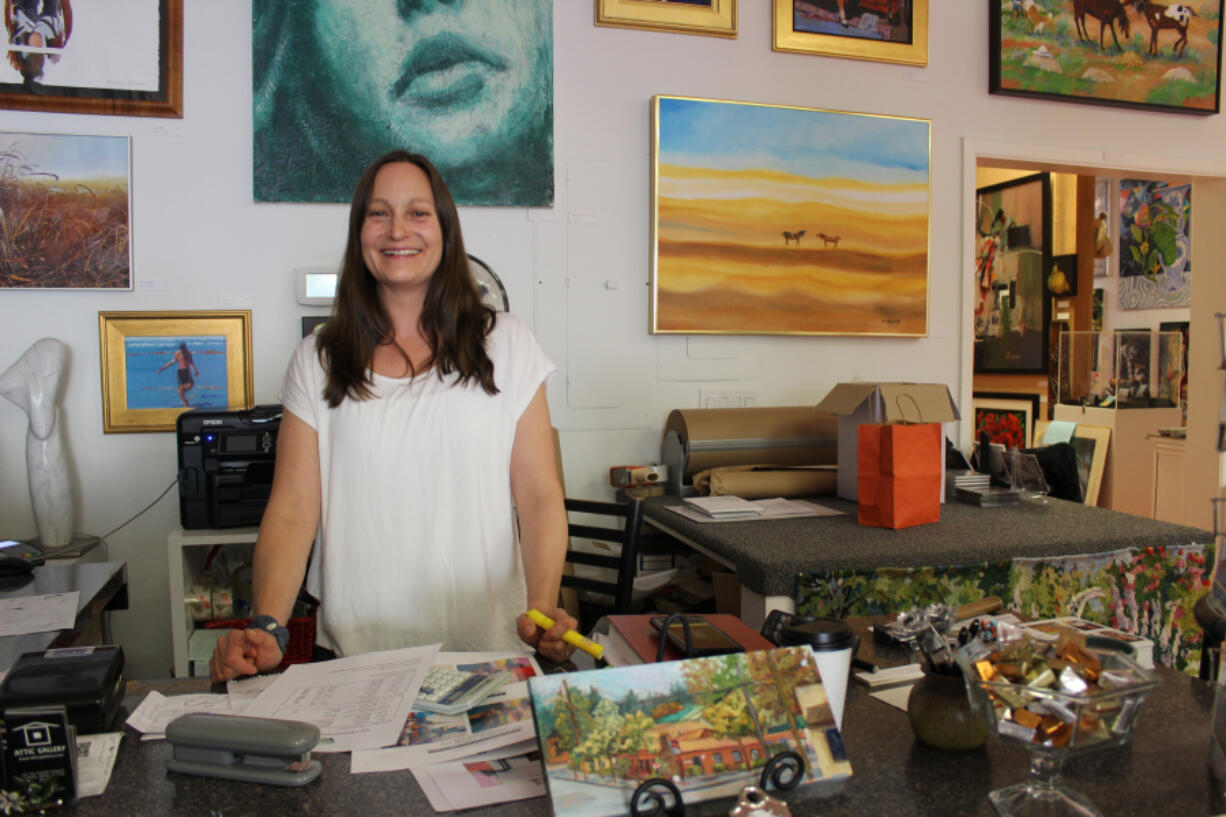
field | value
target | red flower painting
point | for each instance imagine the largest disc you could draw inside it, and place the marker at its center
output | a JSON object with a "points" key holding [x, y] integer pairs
{"points": [[1005, 427]]}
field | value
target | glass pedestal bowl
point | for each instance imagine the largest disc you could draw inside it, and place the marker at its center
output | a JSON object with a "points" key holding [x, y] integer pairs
{"points": [[1054, 724]]}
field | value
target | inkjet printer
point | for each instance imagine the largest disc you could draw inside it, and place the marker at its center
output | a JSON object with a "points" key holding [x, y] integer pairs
{"points": [[226, 465]]}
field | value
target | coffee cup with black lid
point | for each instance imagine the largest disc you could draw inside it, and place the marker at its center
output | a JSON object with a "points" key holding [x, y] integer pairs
{"points": [[833, 643]]}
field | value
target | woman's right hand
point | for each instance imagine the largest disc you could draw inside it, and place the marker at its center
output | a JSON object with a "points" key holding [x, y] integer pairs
{"points": [[244, 652]]}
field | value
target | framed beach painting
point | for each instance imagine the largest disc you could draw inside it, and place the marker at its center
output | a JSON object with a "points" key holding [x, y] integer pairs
{"points": [[1006, 418], [118, 57], [716, 18], [1013, 247], [66, 219], [881, 30], [776, 220], [156, 365], [1159, 57]]}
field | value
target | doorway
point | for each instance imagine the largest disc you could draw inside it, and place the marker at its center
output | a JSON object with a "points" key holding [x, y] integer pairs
{"points": [[1204, 470]]}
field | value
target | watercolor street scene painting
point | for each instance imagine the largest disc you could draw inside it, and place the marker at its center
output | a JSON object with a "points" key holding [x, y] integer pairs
{"points": [[708, 725]]}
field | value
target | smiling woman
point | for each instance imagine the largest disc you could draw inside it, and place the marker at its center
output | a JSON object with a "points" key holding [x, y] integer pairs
{"points": [[468, 83]]}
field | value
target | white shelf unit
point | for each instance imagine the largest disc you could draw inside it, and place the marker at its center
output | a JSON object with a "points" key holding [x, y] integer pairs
{"points": [[186, 551]]}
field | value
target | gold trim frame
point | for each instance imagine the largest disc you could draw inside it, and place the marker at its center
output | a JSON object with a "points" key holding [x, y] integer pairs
{"points": [[115, 329], [716, 20], [859, 48], [762, 225]]}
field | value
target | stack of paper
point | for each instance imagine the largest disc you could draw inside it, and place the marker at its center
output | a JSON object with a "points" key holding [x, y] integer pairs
{"points": [[1142, 648], [362, 703], [725, 507]]}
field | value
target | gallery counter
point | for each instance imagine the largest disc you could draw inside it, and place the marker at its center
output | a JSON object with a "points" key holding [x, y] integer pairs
{"points": [[768, 554], [1052, 559], [1163, 771]]}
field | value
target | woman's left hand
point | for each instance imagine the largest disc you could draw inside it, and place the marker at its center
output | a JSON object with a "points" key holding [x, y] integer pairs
{"points": [[549, 642]]}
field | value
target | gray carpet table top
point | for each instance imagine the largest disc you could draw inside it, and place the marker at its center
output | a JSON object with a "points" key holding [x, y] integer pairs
{"points": [[767, 554]]}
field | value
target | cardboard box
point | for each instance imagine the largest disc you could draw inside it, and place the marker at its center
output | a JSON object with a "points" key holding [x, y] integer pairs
{"points": [[859, 403]]}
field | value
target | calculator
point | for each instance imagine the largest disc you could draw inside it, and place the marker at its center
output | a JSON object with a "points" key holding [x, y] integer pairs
{"points": [[450, 691]]}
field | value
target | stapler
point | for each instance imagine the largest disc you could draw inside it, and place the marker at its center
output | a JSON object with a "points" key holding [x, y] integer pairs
{"points": [[255, 750]]}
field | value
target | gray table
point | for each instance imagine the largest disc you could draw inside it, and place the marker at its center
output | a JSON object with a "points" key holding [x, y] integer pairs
{"points": [[103, 586], [1162, 772], [766, 555]]}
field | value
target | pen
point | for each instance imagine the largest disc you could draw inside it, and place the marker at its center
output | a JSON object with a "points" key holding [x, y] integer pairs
{"points": [[570, 636]]}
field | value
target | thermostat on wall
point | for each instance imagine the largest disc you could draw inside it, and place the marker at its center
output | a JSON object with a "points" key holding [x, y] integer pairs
{"points": [[316, 286]]}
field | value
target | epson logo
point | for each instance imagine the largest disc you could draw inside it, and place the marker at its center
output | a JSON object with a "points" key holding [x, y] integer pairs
{"points": [[211, 422]]}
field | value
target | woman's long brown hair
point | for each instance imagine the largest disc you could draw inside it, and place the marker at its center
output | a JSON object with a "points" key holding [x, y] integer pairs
{"points": [[454, 322]]}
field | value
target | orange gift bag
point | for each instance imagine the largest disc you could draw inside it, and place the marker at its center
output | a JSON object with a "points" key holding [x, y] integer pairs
{"points": [[899, 474]]}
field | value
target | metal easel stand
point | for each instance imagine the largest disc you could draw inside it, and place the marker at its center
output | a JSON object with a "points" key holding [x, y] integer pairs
{"points": [[660, 796]]}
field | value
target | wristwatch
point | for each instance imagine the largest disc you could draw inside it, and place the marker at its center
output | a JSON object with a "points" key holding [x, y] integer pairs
{"points": [[269, 625]]}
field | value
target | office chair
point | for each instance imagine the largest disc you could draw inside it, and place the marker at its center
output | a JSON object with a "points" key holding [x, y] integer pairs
{"points": [[629, 536]]}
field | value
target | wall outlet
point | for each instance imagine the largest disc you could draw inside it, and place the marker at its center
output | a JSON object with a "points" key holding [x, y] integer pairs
{"points": [[727, 398]]}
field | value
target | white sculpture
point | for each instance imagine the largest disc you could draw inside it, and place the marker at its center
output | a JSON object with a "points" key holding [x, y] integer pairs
{"points": [[33, 383]]}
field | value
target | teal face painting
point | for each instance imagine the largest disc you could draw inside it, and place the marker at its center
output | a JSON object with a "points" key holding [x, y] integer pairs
{"points": [[468, 83]]}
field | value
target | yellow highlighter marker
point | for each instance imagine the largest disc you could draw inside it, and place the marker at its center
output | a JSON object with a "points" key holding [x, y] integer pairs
{"points": [[570, 637]]}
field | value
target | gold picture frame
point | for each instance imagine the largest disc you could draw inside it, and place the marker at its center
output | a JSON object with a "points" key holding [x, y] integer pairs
{"points": [[716, 20], [782, 249], [141, 352], [915, 52]]}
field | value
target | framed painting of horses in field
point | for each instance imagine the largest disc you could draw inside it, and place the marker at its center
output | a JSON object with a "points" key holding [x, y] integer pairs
{"points": [[775, 220], [1132, 53]]}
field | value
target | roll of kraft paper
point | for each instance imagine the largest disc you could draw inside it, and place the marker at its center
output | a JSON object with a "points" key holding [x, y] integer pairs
{"points": [[780, 435], [749, 482]]}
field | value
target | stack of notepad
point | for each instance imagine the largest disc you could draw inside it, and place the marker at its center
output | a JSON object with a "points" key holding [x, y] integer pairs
{"points": [[987, 496], [955, 479], [725, 507]]}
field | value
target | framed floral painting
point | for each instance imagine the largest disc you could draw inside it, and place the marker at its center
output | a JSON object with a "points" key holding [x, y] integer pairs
{"points": [[1007, 419]]}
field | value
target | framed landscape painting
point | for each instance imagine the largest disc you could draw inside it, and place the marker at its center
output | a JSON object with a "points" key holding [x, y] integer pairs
{"points": [[780, 220], [1160, 57], [881, 30], [66, 214], [156, 365], [1012, 248], [118, 57]]}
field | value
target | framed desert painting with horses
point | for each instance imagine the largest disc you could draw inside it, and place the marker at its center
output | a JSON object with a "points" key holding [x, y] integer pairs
{"points": [[776, 220], [94, 56], [1134, 53]]}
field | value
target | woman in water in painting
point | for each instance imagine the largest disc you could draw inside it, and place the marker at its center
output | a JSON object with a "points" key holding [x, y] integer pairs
{"points": [[184, 366]]}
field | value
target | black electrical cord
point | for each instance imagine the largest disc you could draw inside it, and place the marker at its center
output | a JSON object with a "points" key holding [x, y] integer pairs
{"points": [[136, 515]]}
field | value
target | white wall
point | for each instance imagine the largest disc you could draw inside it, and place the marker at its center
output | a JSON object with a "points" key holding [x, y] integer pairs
{"points": [[201, 243]]}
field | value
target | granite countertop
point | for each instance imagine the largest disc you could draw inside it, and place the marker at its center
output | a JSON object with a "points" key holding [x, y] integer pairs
{"points": [[768, 554], [1163, 771]]}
